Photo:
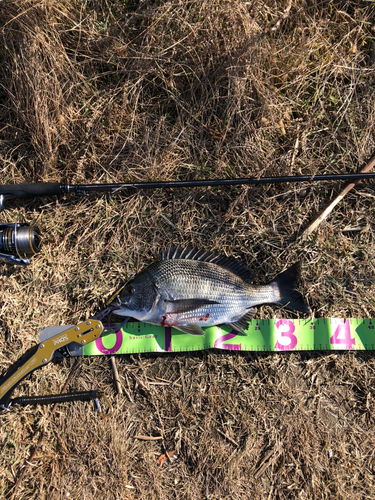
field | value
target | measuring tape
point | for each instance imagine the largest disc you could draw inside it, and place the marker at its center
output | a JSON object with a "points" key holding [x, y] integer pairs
{"points": [[274, 335]]}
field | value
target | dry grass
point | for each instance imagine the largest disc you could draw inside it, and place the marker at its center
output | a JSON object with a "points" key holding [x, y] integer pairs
{"points": [[111, 90]]}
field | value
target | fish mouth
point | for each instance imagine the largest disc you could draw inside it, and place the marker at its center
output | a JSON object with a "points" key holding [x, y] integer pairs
{"points": [[113, 309], [119, 311], [116, 304]]}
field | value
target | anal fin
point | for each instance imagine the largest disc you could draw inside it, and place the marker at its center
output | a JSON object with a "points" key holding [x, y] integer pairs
{"points": [[242, 324]]}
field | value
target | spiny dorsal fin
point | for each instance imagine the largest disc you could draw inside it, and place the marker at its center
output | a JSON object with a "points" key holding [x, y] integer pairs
{"points": [[193, 253]]}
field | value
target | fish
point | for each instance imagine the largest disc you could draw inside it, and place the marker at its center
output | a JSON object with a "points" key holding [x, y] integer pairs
{"points": [[190, 288]]}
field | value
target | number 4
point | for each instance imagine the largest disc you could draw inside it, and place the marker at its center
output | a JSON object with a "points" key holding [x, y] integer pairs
{"points": [[342, 335]]}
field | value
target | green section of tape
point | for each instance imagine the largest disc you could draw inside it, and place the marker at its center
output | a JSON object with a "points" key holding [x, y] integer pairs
{"points": [[275, 335]]}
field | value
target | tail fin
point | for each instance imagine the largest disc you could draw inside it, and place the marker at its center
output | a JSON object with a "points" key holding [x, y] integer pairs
{"points": [[285, 288]]}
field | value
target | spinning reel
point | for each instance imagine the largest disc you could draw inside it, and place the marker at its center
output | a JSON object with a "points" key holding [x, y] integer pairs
{"points": [[18, 241]]}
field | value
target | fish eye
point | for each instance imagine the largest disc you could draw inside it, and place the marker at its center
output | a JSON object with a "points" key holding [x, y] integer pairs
{"points": [[129, 290]]}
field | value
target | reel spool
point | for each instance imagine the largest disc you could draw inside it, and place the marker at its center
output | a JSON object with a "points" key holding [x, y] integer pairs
{"points": [[18, 241]]}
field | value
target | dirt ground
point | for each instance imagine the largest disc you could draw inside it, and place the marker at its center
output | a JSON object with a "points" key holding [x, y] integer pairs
{"points": [[95, 91]]}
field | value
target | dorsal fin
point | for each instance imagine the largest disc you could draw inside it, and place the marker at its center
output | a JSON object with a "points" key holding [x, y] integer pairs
{"points": [[231, 264]]}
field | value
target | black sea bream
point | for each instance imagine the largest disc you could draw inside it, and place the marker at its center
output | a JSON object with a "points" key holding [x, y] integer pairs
{"points": [[190, 288]]}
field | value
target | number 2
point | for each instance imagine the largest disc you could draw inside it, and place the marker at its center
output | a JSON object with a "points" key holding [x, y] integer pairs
{"points": [[219, 343]]}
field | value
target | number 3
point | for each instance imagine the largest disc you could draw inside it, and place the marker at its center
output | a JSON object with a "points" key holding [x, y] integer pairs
{"points": [[290, 340]]}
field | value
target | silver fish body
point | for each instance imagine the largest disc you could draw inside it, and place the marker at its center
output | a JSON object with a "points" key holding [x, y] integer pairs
{"points": [[189, 288]]}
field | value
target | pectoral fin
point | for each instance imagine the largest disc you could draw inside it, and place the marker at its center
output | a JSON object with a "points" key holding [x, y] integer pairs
{"points": [[190, 329], [186, 305]]}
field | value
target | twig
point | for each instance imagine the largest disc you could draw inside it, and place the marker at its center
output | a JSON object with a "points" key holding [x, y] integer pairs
{"points": [[116, 378], [337, 200], [228, 438], [148, 438], [295, 150], [169, 381], [269, 459], [169, 222], [182, 380], [128, 392]]}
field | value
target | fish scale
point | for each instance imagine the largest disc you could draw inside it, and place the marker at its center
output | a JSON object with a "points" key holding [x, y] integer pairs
{"points": [[184, 279], [190, 288]]}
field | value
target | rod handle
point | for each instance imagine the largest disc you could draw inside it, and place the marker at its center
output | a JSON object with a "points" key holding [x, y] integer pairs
{"points": [[30, 190]]}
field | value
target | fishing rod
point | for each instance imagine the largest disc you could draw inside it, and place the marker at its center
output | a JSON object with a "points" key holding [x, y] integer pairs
{"points": [[20, 241], [54, 188]]}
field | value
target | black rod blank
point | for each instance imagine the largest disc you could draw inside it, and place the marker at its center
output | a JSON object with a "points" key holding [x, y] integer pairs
{"points": [[218, 182]]}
